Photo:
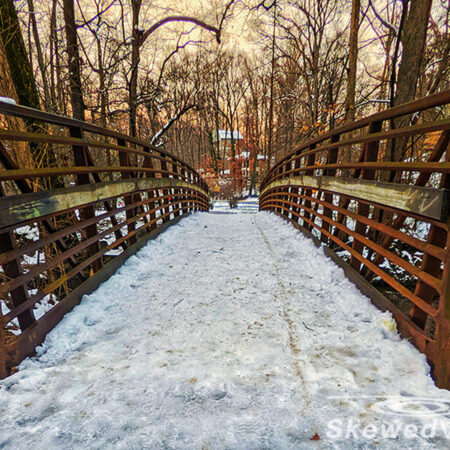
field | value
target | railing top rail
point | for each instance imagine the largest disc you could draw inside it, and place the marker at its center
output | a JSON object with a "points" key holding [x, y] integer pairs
{"points": [[435, 100], [90, 197], [24, 112]]}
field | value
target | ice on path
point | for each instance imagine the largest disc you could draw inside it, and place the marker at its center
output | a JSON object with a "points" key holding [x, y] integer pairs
{"points": [[227, 331]]}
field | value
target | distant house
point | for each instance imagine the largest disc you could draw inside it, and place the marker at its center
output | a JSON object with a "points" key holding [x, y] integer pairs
{"points": [[236, 167], [226, 140]]}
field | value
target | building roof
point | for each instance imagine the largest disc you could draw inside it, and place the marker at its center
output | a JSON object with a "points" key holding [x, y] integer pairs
{"points": [[223, 134]]}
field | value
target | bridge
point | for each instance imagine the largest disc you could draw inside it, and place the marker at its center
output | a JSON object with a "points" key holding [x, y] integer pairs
{"points": [[131, 316]]}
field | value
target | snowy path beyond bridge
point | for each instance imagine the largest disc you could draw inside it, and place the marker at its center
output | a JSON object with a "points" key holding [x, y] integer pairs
{"points": [[227, 331]]}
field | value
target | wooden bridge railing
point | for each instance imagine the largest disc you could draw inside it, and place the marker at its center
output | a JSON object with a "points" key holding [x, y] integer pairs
{"points": [[75, 201], [389, 220]]}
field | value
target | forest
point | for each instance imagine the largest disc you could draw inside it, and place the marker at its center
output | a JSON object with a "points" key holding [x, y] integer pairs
{"points": [[280, 71]]}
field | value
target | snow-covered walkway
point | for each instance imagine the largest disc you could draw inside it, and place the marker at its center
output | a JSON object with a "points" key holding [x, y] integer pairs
{"points": [[227, 331]]}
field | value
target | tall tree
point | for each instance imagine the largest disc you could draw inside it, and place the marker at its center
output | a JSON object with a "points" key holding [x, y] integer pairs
{"points": [[24, 81], [40, 56], [73, 54], [412, 36], [140, 36], [413, 39], [352, 62], [18, 61]]}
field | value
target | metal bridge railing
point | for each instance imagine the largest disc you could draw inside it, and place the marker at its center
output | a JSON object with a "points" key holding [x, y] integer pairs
{"points": [[75, 201], [389, 220]]}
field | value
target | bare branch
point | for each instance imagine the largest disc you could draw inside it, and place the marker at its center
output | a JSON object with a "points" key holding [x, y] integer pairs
{"points": [[384, 22], [168, 19], [171, 121]]}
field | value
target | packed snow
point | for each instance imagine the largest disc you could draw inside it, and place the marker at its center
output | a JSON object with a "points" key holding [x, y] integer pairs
{"points": [[227, 331], [249, 205]]}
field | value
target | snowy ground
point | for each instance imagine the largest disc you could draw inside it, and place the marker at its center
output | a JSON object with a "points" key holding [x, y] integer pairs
{"points": [[249, 205], [228, 331]]}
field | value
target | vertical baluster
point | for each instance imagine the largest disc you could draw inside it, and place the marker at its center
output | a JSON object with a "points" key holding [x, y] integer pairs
{"points": [[185, 198], [297, 164], [3, 368], [442, 336], [81, 158], [308, 192], [165, 192], [174, 192], [124, 161], [327, 212], [437, 236], [12, 270], [189, 192], [281, 196], [181, 176], [148, 164], [370, 155]]}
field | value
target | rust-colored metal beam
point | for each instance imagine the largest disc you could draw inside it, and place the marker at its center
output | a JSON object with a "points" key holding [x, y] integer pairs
{"points": [[352, 207], [81, 167]]}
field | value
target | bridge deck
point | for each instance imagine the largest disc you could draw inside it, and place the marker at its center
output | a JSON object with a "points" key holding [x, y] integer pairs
{"points": [[229, 330]]}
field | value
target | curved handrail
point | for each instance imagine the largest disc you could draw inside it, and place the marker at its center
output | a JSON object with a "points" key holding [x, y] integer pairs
{"points": [[98, 197], [388, 220], [432, 101], [24, 112]]}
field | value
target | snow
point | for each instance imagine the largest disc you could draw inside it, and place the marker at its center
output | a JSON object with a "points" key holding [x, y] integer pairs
{"points": [[226, 135], [11, 101], [227, 331], [30, 232], [250, 205]]}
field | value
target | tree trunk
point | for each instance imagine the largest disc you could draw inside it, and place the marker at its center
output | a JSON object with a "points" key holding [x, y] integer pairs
{"points": [[352, 62], [19, 64], [21, 150], [135, 57], [78, 106], [40, 56], [413, 42], [413, 37], [58, 102], [24, 83]]}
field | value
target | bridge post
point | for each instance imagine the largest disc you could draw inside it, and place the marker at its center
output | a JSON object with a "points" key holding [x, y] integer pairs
{"points": [[3, 369], [430, 264], [179, 191], [174, 192], [327, 212], [12, 270], [370, 154], [148, 163], [180, 206], [308, 192], [289, 206], [81, 158], [165, 192], [442, 365], [296, 209], [185, 206], [124, 161], [284, 190]]}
